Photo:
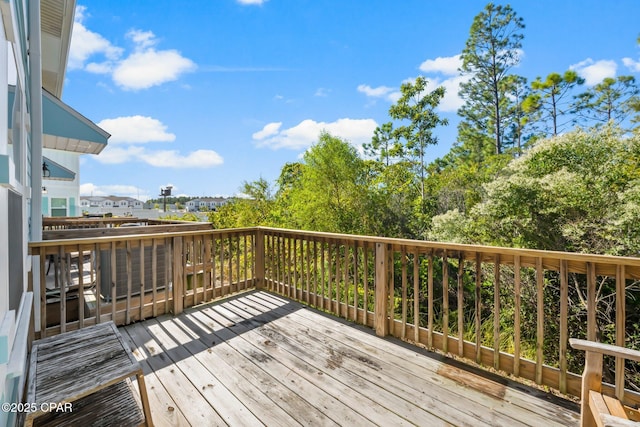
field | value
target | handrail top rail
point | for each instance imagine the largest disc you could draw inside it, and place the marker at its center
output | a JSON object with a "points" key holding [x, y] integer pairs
{"points": [[607, 349], [151, 236], [459, 247], [463, 247]]}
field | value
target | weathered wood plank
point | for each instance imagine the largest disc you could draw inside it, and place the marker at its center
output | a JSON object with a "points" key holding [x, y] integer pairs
{"points": [[410, 385], [222, 400], [193, 335], [418, 366], [246, 369], [339, 378], [196, 410]]}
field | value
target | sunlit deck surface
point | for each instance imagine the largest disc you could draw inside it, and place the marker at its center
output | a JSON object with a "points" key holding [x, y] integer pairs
{"points": [[259, 359]]}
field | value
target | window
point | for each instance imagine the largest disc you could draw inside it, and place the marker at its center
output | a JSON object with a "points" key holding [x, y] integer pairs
{"points": [[58, 206]]}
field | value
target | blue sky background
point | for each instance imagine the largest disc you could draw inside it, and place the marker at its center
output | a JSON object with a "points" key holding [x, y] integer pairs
{"points": [[206, 94]]}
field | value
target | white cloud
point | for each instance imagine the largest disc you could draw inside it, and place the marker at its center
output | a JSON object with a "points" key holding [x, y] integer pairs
{"points": [[305, 133], [142, 39], [267, 131], [144, 69], [173, 159], [322, 92], [447, 65], [595, 71], [136, 130], [113, 154], [375, 92], [86, 43], [141, 69], [451, 101], [251, 2], [160, 158], [631, 64]]}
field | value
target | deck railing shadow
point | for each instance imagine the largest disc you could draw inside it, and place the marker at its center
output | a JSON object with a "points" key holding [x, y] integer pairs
{"points": [[211, 332]]}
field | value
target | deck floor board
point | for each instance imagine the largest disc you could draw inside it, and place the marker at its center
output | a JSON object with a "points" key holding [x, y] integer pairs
{"points": [[258, 358]]}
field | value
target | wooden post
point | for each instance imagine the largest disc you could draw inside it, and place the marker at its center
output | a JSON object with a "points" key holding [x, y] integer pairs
{"points": [[178, 284], [259, 259], [620, 328], [382, 326], [591, 380]]}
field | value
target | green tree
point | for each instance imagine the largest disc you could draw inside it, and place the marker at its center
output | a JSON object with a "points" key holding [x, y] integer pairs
{"points": [[492, 49], [254, 208], [549, 98], [331, 193], [384, 145], [576, 192], [416, 109], [516, 88], [611, 100]]}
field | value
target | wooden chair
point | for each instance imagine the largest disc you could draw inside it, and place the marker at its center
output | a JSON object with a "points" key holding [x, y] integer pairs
{"points": [[598, 409]]}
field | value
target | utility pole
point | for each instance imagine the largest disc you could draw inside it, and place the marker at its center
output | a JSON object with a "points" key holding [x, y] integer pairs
{"points": [[164, 192]]}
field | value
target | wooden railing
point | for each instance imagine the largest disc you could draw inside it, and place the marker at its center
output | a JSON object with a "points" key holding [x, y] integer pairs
{"points": [[128, 278], [495, 306], [65, 223], [498, 307]]}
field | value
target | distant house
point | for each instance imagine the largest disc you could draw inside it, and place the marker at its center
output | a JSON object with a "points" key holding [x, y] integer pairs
{"points": [[208, 203], [87, 202]]}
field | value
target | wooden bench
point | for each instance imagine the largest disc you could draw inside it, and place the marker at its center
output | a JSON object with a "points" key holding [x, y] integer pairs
{"points": [[598, 409], [86, 372]]}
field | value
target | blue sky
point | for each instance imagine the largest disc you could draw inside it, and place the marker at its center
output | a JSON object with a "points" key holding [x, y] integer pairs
{"points": [[206, 94]]}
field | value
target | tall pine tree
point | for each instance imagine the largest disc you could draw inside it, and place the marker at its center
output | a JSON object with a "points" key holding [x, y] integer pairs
{"points": [[493, 47]]}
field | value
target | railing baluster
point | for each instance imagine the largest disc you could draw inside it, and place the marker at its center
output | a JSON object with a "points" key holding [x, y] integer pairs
{"points": [[621, 315], [430, 301], [80, 287], [238, 263], [365, 262], [168, 272], [245, 271], [564, 324], [113, 281], [445, 302], [96, 279], [323, 273], [516, 318], [460, 308], [337, 284], [478, 307], [129, 282], [154, 277], [142, 284], [346, 280], [539, 320], [295, 269], [355, 282], [591, 302], [496, 313], [222, 287], [307, 297], [403, 334], [43, 290], [416, 296], [381, 294], [63, 290]]}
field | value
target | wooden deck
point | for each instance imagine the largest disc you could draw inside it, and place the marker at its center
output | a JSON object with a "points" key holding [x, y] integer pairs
{"points": [[259, 359]]}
